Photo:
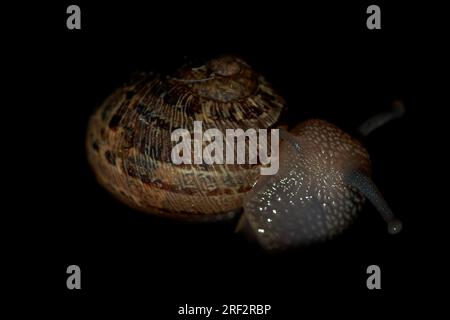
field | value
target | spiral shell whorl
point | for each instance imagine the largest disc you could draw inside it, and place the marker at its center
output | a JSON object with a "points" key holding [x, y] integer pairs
{"points": [[129, 137]]}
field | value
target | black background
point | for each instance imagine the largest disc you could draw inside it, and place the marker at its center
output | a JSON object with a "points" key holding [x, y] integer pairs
{"points": [[325, 63]]}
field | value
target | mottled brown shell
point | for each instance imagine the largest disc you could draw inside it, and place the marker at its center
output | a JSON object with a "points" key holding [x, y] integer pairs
{"points": [[129, 137]]}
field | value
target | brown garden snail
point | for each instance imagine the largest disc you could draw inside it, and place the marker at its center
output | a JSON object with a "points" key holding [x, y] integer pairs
{"points": [[318, 190]]}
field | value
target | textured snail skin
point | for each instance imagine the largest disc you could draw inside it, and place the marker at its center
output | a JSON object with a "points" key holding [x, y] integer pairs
{"points": [[321, 184], [309, 199], [129, 137]]}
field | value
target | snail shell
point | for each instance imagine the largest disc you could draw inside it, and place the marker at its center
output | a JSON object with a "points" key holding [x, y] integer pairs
{"points": [[321, 184], [129, 137]]}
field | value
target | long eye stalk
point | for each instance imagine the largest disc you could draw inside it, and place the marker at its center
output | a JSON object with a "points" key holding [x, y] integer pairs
{"points": [[397, 111], [366, 186]]}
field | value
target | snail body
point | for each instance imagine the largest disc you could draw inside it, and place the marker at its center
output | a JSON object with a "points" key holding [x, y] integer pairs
{"points": [[309, 199], [321, 184]]}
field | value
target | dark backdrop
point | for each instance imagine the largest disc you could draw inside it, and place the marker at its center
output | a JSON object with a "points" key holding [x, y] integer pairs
{"points": [[326, 64]]}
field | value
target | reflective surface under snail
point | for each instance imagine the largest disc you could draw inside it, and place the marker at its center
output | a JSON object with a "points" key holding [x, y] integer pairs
{"points": [[321, 184]]}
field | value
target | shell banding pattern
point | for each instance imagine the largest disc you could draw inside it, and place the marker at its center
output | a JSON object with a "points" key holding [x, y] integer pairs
{"points": [[129, 137]]}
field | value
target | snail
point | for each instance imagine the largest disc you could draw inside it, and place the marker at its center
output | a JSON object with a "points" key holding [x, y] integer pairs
{"points": [[322, 182]]}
